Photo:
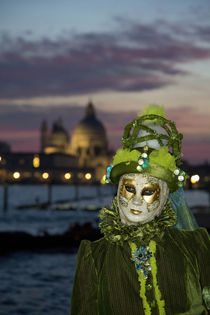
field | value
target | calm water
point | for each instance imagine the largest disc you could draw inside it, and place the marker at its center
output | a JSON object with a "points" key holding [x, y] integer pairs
{"points": [[34, 283], [36, 222]]}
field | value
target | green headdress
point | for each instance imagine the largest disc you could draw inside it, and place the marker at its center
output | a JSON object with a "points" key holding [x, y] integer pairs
{"points": [[151, 145]]}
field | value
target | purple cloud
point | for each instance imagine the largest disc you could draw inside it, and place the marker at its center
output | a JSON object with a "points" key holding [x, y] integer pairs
{"points": [[139, 57]]}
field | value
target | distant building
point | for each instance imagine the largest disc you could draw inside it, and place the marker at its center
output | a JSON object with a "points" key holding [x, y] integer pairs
{"points": [[88, 144], [81, 159], [55, 140], [55, 168], [4, 147]]}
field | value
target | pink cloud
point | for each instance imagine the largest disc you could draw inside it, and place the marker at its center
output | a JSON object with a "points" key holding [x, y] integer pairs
{"points": [[190, 121], [21, 140]]}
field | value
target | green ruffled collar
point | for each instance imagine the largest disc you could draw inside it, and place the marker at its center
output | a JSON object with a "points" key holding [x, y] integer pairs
{"points": [[117, 232]]}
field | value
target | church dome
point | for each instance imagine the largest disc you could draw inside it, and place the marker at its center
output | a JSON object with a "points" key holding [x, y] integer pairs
{"points": [[59, 136], [89, 136], [56, 140], [89, 123]]}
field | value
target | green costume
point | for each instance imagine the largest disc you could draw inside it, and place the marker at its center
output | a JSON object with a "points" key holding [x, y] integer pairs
{"points": [[106, 281], [149, 268]]}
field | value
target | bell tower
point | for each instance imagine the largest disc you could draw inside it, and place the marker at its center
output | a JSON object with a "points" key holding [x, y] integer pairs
{"points": [[44, 135]]}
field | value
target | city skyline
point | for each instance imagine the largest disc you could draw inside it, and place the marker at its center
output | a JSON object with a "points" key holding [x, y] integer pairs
{"points": [[56, 55]]}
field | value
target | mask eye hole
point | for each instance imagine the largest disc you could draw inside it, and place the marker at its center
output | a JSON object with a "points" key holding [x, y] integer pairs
{"points": [[130, 189], [148, 192], [151, 193]]}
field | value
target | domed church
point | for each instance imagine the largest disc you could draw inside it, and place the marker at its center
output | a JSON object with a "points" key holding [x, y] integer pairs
{"points": [[56, 140], [89, 137], [88, 142]]}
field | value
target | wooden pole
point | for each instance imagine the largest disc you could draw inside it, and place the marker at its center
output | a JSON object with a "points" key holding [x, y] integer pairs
{"points": [[98, 191], [5, 199], [49, 201], [76, 196]]}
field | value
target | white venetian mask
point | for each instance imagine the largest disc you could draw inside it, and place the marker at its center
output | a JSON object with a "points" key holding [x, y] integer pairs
{"points": [[140, 198]]}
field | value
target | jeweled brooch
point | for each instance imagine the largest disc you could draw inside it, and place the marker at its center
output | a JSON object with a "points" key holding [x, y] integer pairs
{"points": [[141, 257]]}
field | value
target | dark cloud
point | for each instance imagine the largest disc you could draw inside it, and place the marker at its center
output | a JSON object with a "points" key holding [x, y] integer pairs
{"points": [[30, 117], [203, 32], [138, 57]]}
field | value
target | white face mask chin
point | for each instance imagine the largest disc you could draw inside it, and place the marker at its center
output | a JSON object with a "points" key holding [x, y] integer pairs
{"points": [[140, 198]]}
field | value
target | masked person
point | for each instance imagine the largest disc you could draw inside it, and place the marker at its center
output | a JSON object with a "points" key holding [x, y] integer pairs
{"points": [[144, 264]]}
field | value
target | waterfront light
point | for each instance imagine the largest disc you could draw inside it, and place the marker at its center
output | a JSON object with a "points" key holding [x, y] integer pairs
{"points": [[88, 176], [36, 161], [195, 179], [103, 179], [45, 175], [16, 175], [67, 176]]}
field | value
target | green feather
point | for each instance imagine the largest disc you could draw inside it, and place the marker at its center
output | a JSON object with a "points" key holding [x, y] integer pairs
{"points": [[153, 110], [125, 155], [163, 158]]}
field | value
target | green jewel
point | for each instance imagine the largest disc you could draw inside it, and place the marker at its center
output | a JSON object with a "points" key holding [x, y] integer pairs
{"points": [[139, 168]]}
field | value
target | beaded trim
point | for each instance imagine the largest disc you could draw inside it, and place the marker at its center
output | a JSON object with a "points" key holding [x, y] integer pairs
{"points": [[143, 160], [142, 280], [149, 260], [181, 175], [108, 172]]}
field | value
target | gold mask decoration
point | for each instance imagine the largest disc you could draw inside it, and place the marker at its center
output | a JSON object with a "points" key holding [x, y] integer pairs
{"points": [[140, 198], [150, 192], [128, 189]]}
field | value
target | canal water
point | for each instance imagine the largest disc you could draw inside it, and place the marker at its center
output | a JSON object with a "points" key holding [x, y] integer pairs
{"points": [[41, 283]]}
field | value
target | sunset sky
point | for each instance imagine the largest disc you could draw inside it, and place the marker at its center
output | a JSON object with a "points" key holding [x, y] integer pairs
{"points": [[57, 55]]}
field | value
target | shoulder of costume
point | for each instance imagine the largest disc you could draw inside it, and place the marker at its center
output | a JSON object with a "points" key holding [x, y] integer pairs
{"points": [[197, 236], [100, 242], [95, 252], [84, 249], [87, 246]]}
